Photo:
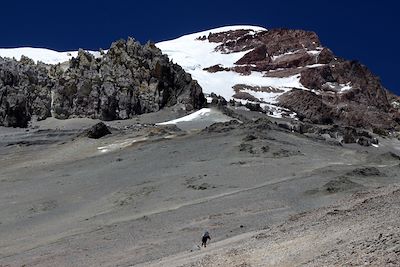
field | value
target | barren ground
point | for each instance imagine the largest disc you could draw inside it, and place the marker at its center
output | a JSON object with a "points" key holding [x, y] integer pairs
{"points": [[146, 198]]}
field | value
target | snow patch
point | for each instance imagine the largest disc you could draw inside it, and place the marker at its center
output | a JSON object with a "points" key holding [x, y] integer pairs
{"points": [[41, 54], [285, 54], [120, 145], [339, 87], [198, 115], [194, 55], [314, 66], [314, 52], [52, 103], [310, 52]]}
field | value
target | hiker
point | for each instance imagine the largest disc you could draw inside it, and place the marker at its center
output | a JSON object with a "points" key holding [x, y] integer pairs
{"points": [[205, 238]]}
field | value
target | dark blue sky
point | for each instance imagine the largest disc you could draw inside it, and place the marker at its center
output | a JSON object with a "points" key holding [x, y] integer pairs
{"points": [[363, 30]]}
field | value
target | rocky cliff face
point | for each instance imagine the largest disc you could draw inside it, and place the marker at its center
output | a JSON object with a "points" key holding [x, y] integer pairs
{"points": [[129, 79], [340, 91], [24, 91], [351, 93]]}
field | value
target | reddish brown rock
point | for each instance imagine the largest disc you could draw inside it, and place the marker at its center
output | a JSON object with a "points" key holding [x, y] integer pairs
{"points": [[315, 78], [255, 56], [277, 41], [325, 57], [307, 105], [216, 68], [222, 37], [327, 109], [344, 92], [244, 69], [367, 89], [296, 60]]}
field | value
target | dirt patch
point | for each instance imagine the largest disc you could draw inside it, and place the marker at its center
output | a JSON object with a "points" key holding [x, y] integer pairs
{"points": [[340, 184], [43, 207], [368, 171], [249, 137], [222, 127], [127, 197], [283, 153]]}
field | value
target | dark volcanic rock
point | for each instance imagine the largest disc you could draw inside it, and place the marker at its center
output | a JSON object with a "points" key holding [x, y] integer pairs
{"points": [[97, 131], [130, 79]]}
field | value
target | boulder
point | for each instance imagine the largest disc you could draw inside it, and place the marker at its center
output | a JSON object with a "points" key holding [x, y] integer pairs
{"points": [[363, 141], [97, 131]]}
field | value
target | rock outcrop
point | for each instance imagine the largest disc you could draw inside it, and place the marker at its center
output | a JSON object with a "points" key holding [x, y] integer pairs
{"points": [[24, 92], [128, 80]]}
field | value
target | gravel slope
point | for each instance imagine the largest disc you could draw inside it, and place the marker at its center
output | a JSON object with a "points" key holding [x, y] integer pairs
{"points": [[66, 203]]}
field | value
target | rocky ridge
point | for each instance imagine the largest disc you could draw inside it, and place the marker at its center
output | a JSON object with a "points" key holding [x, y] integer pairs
{"points": [[128, 80], [281, 72]]}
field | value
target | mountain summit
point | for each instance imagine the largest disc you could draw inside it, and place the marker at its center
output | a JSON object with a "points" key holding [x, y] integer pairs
{"points": [[286, 71]]}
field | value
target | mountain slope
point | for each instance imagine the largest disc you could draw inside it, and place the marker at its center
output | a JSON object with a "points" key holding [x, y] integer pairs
{"points": [[195, 54], [283, 68]]}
